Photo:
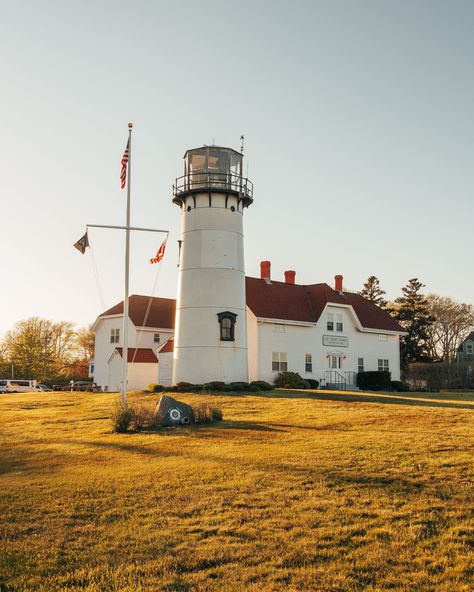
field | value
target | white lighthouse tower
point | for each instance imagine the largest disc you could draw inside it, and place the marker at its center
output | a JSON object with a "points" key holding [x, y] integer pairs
{"points": [[211, 332]]}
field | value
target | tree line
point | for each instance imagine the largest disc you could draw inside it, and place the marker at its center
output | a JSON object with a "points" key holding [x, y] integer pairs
{"points": [[435, 325], [45, 350]]}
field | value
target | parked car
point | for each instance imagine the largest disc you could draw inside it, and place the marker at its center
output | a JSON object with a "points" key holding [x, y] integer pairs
{"points": [[85, 385], [43, 387], [15, 385]]}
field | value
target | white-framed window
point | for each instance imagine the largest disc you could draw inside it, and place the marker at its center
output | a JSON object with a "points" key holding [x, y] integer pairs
{"points": [[156, 338], [92, 368], [339, 325], [114, 335], [383, 365], [308, 363], [330, 322], [469, 348], [360, 364], [279, 361], [383, 337], [279, 328], [335, 362]]}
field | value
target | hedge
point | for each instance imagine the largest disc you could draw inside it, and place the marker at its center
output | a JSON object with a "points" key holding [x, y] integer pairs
{"points": [[374, 380]]}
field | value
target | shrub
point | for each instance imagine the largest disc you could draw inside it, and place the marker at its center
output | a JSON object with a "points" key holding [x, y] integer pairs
{"points": [[237, 387], [196, 388], [183, 387], [204, 413], [121, 419], [142, 417], [291, 380], [156, 388], [261, 385], [399, 386], [314, 384], [216, 385], [374, 380], [244, 385]]}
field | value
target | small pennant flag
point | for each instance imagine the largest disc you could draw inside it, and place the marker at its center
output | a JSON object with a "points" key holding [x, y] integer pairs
{"points": [[82, 243], [159, 254], [124, 162]]}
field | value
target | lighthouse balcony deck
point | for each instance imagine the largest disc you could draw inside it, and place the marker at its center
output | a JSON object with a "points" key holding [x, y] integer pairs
{"points": [[213, 182]]}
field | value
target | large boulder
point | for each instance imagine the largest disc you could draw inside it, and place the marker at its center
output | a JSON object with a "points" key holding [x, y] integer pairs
{"points": [[170, 412]]}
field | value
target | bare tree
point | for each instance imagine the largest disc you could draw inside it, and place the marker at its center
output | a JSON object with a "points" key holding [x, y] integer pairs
{"points": [[85, 343], [39, 348], [453, 322]]}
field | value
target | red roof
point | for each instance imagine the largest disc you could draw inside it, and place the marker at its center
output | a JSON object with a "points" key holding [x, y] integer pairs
{"points": [[275, 300], [161, 314], [139, 355], [294, 302], [168, 347]]}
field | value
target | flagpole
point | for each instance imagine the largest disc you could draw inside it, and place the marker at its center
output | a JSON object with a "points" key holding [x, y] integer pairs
{"points": [[127, 273]]}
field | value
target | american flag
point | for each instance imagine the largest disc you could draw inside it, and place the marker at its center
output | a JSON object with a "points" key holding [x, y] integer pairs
{"points": [[123, 174], [159, 254]]}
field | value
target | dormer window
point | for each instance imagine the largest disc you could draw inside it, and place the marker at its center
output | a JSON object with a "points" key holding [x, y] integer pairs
{"points": [[469, 348], [330, 322], [227, 325]]}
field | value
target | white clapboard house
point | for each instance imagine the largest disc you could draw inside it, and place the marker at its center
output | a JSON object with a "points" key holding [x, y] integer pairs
{"points": [[322, 332], [227, 327]]}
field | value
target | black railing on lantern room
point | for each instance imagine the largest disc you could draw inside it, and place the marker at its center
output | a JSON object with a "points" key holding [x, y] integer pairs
{"points": [[216, 182]]}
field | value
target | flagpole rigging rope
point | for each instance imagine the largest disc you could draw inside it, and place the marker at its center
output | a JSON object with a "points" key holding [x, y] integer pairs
{"points": [[97, 279], [147, 313]]}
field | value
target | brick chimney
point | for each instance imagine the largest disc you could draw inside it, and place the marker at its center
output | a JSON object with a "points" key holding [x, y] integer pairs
{"points": [[290, 277], [265, 270], [338, 283]]}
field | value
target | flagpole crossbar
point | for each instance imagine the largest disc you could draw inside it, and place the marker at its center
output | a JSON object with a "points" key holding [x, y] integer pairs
{"points": [[126, 228], [82, 244]]}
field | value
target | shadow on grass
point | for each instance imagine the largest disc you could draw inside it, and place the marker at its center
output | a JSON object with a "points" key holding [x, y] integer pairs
{"points": [[200, 430], [354, 397], [394, 484]]}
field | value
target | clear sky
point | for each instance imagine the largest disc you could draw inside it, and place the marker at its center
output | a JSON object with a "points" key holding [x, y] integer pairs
{"points": [[358, 119]]}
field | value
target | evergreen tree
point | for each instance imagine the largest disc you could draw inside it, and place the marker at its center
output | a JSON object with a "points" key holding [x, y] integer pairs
{"points": [[412, 311], [372, 291]]}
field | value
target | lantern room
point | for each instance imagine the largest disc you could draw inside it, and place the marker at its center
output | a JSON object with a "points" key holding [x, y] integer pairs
{"points": [[213, 169]]}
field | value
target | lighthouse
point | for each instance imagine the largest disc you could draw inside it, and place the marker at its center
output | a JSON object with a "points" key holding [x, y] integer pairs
{"points": [[211, 328]]}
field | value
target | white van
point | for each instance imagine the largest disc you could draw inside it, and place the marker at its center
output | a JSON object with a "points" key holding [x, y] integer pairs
{"points": [[14, 385]]}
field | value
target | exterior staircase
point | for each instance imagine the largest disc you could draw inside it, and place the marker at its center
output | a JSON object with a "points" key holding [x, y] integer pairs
{"points": [[336, 381]]}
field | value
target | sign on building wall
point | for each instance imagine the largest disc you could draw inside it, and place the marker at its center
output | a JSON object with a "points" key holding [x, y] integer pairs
{"points": [[335, 341]]}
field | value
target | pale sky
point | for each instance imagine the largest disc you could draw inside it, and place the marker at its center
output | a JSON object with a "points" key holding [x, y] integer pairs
{"points": [[359, 126]]}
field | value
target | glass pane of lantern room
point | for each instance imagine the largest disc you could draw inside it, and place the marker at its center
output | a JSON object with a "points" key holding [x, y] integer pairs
{"points": [[236, 164], [195, 170], [196, 162], [218, 161], [218, 167]]}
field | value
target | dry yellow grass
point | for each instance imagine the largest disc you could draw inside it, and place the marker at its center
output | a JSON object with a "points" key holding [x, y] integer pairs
{"points": [[292, 491]]}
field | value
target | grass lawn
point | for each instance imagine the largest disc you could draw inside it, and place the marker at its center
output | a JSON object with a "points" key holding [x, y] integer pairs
{"points": [[292, 491]]}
